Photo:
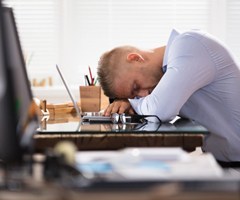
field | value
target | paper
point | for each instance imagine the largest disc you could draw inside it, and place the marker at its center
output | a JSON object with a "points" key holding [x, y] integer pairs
{"points": [[149, 164]]}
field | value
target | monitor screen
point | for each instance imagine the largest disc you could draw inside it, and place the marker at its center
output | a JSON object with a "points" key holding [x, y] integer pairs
{"points": [[23, 106], [9, 148]]}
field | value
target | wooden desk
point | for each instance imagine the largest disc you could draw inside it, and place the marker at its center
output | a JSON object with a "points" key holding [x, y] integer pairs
{"points": [[186, 134], [172, 191], [118, 141], [33, 188]]}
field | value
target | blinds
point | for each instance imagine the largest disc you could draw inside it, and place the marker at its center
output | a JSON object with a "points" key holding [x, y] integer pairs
{"points": [[38, 24], [233, 26], [142, 23], [74, 33]]}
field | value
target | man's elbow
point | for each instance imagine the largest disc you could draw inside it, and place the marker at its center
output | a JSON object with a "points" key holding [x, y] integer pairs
{"points": [[165, 115]]}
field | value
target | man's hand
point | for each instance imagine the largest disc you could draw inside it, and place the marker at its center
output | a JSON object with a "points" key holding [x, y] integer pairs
{"points": [[119, 106]]}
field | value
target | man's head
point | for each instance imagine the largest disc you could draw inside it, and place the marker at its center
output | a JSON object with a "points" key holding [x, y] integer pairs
{"points": [[127, 72]]}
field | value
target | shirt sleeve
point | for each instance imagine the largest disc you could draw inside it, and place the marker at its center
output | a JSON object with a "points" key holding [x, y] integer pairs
{"points": [[190, 68]]}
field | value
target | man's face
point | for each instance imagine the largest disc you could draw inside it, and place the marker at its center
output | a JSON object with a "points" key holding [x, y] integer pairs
{"points": [[136, 82]]}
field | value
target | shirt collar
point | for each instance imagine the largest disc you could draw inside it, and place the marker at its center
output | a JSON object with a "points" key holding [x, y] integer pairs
{"points": [[173, 35]]}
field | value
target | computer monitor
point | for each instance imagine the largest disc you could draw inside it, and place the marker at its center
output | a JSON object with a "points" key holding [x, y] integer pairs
{"points": [[21, 121], [9, 148]]}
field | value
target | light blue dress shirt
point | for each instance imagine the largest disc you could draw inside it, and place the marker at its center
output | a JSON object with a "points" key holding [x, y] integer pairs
{"points": [[202, 82]]}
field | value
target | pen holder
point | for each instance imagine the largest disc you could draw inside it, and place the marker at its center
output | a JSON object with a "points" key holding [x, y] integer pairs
{"points": [[92, 98]]}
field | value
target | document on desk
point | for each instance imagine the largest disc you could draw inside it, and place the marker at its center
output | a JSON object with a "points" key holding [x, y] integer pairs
{"points": [[149, 164]]}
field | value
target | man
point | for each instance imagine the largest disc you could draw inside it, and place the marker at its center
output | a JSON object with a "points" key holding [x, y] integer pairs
{"points": [[194, 76]]}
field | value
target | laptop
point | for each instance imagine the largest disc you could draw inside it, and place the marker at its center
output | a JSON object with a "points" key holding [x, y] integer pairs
{"points": [[91, 117]]}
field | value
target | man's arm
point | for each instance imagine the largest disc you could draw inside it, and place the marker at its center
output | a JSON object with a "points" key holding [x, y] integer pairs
{"points": [[190, 68]]}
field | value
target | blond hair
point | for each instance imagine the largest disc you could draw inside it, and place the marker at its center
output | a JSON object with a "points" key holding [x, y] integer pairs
{"points": [[109, 65]]}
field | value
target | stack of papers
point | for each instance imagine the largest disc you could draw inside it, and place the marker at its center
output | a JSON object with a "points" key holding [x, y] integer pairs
{"points": [[148, 164]]}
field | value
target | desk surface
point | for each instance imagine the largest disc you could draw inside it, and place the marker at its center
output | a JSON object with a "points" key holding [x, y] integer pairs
{"points": [[182, 133], [77, 127]]}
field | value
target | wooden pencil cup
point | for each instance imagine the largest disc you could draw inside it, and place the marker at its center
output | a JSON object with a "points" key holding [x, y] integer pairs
{"points": [[90, 98]]}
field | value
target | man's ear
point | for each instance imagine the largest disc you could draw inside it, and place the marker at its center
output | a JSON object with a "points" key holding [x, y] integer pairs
{"points": [[134, 57]]}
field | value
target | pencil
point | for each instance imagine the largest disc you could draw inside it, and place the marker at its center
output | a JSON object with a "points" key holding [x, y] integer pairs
{"points": [[90, 73], [95, 81]]}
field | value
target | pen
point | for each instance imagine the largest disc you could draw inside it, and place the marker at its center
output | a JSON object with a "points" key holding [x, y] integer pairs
{"points": [[86, 78]]}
